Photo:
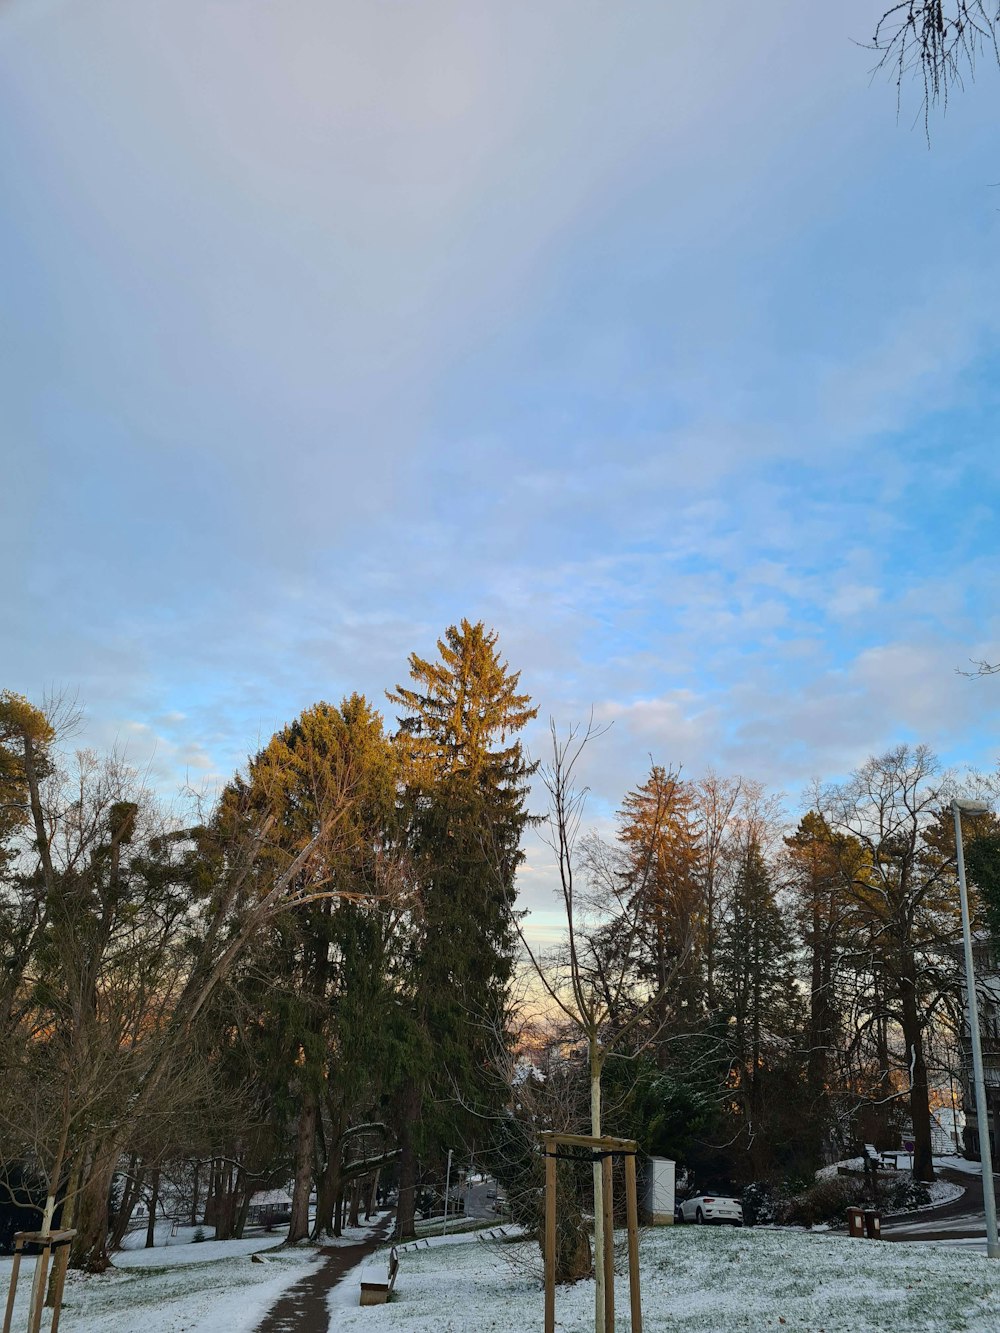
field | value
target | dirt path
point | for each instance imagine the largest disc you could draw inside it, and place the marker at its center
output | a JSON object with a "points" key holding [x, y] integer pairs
{"points": [[303, 1309]]}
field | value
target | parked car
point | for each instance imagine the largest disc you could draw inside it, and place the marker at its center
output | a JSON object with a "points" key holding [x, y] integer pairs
{"points": [[704, 1208]]}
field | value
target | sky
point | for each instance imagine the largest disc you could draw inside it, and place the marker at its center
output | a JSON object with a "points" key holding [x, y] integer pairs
{"points": [[654, 336]]}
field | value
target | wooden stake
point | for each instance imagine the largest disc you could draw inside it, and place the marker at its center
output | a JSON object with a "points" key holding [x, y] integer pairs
{"points": [[608, 1208], [18, 1248], [550, 1238], [41, 1272], [632, 1208], [62, 1263]]}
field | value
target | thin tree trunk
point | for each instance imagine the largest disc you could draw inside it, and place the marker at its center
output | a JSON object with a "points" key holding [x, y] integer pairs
{"points": [[372, 1196], [596, 1064], [154, 1192], [406, 1208], [194, 1194], [352, 1217], [130, 1197]]}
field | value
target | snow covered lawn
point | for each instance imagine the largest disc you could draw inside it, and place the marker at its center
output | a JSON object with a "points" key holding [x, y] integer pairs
{"points": [[175, 1289], [699, 1279]]}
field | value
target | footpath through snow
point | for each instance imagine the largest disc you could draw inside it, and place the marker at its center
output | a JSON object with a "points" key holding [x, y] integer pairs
{"points": [[183, 1286]]}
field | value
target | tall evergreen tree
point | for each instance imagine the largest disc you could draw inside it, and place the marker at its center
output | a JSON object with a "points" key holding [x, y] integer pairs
{"points": [[820, 871], [466, 789], [755, 978]]}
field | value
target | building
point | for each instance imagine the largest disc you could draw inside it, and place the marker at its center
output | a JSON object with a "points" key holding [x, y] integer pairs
{"points": [[987, 964]]}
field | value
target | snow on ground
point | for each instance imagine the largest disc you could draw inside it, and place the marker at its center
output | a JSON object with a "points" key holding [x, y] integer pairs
{"points": [[706, 1279], [943, 1191], [179, 1250], [960, 1164], [174, 1290]]}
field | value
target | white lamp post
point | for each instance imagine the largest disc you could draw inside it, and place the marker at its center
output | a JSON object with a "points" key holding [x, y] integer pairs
{"points": [[982, 1113], [447, 1187]]}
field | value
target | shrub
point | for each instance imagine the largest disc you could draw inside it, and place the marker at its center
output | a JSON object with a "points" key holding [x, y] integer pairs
{"points": [[826, 1201], [763, 1203], [199, 1233], [905, 1194]]}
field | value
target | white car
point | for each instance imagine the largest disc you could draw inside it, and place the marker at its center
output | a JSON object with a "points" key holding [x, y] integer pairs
{"points": [[711, 1208]]}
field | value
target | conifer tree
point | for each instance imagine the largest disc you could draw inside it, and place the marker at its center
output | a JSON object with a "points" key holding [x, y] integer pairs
{"points": [[756, 982], [821, 865], [662, 862], [466, 789]]}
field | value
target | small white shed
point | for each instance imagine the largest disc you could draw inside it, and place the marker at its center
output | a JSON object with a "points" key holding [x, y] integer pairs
{"points": [[658, 1179]]}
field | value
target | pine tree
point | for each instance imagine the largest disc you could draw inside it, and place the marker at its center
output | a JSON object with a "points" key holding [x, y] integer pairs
{"points": [[756, 982], [820, 872], [328, 758], [662, 852], [466, 789]]}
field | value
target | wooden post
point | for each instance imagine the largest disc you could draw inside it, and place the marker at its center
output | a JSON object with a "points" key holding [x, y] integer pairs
{"points": [[550, 1237], [41, 1272], [18, 1248], [632, 1207], [62, 1263], [608, 1209]]}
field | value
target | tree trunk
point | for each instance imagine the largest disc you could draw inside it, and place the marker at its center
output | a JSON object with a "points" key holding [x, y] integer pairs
{"points": [[920, 1110], [130, 1197], [352, 1217], [154, 1191], [225, 1216], [245, 1194], [373, 1196], [65, 1224], [90, 1246], [305, 1143], [194, 1194], [596, 1067], [328, 1185], [405, 1209]]}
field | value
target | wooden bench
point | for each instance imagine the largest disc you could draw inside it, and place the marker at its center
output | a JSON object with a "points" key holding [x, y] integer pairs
{"points": [[878, 1161], [377, 1293]]}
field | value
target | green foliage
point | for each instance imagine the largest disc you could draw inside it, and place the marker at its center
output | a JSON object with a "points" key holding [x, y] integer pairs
{"points": [[826, 1201], [26, 735], [466, 783], [982, 861], [662, 1112]]}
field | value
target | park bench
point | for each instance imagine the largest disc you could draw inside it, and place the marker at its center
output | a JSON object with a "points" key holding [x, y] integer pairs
{"points": [[377, 1293], [880, 1161]]}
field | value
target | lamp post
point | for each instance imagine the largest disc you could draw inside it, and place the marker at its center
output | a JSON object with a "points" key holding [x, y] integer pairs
{"points": [[447, 1187], [959, 808]]}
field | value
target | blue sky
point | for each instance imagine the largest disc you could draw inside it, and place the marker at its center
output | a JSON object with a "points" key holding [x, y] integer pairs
{"points": [[646, 333]]}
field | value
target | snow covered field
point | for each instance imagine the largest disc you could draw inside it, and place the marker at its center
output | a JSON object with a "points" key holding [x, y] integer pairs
{"points": [[703, 1278], [211, 1287], [699, 1279]]}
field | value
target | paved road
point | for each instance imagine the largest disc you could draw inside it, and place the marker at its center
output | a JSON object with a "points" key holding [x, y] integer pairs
{"points": [[961, 1223], [478, 1206]]}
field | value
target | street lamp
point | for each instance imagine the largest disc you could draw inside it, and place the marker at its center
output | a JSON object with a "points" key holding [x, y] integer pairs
{"points": [[960, 808]]}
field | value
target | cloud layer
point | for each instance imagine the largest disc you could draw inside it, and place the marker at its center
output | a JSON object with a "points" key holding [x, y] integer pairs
{"points": [[650, 337]]}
